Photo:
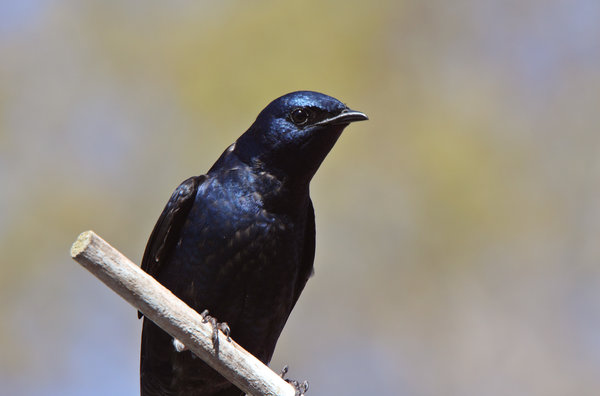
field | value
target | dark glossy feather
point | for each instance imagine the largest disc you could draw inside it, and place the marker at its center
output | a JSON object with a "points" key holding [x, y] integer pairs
{"points": [[166, 232], [240, 240]]}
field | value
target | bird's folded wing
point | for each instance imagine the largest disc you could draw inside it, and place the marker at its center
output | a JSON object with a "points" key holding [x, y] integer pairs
{"points": [[167, 230]]}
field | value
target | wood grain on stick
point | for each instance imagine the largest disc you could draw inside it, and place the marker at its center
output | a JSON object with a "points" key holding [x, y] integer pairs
{"points": [[175, 317]]}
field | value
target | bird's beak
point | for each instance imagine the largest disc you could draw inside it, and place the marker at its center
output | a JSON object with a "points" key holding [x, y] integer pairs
{"points": [[345, 117]]}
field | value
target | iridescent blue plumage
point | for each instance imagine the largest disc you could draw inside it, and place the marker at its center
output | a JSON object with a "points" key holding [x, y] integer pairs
{"points": [[240, 240]]}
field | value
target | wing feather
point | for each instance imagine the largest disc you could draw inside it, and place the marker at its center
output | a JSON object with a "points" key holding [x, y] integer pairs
{"points": [[308, 253], [167, 230]]}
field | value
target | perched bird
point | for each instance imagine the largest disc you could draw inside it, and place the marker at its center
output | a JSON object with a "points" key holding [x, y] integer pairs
{"points": [[240, 240]]}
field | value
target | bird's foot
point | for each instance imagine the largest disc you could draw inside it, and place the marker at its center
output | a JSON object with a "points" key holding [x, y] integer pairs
{"points": [[300, 387], [216, 326], [284, 371]]}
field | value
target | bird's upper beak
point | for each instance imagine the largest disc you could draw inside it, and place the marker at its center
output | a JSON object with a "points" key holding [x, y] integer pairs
{"points": [[345, 117]]}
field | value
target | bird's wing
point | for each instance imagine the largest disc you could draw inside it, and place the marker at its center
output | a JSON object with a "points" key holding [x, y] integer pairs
{"points": [[168, 227], [308, 253]]}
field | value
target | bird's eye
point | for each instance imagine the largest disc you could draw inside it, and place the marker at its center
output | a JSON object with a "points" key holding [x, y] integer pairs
{"points": [[300, 116]]}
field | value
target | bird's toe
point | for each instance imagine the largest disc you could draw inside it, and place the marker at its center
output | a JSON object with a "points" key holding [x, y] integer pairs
{"points": [[300, 387], [216, 326]]}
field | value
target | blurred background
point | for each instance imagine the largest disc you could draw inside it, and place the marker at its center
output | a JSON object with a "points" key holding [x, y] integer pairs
{"points": [[457, 230]]}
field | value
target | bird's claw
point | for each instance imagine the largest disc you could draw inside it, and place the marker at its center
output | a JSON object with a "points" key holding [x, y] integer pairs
{"points": [[216, 326], [284, 371], [224, 327], [300, 387]]}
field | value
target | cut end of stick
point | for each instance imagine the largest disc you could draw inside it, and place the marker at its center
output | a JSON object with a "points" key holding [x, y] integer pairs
{"points": [[82, 242]]}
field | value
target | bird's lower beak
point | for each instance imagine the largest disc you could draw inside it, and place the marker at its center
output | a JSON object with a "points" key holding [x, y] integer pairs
{"points": [[345, 117]]}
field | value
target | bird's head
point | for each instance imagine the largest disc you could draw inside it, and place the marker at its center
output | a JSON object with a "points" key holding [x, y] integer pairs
{"points": [[295, 132]]}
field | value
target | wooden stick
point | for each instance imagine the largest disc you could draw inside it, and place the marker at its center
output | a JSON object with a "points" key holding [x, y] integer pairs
{"points": [[175, 317]]}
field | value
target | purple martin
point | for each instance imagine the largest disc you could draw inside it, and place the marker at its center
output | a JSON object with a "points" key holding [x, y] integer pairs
{"points": [[239, 241]]}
